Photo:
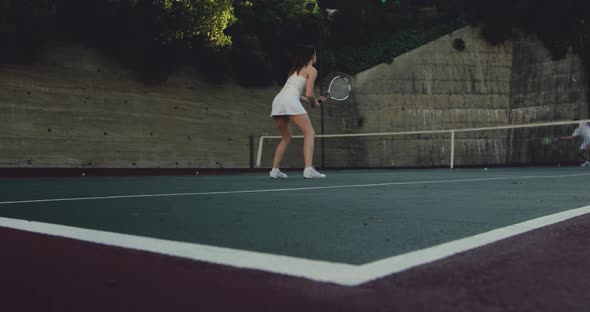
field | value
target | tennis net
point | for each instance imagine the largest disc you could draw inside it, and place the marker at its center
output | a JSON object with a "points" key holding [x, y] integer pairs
{"points": [[511, 145]]}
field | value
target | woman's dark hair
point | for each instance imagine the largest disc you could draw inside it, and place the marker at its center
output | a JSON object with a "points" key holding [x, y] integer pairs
{"points": [[303, 53]]}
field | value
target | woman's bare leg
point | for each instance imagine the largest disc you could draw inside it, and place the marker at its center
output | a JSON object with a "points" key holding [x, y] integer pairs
{"points": [[304, 124], [285, 129]]}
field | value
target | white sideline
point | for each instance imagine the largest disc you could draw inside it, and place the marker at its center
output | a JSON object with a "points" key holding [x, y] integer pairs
{"points": [[322, 271]]}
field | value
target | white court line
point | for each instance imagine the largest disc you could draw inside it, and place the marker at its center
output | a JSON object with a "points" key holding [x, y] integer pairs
{"points": [[289, 189], [396, 264], [317, 270], [322, 271]]}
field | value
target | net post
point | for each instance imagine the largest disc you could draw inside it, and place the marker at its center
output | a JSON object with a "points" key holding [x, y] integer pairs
{"points": [[259, 156], [323, 146], [251, 145], [320, 78], [452, 149]]}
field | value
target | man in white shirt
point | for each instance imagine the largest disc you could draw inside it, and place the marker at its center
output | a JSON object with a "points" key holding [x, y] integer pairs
{"points": [[583, 131]]}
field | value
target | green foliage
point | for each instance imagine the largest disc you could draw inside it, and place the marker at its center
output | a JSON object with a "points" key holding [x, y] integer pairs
{"points": [[391, 28], [23, 27], [353, 59], [561, 25], [185, 20], [367, 33], [151, 36], [248, 40], [251, 41], [265, 34]]}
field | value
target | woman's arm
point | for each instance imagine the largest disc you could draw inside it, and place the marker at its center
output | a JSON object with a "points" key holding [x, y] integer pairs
{"points": [[575, 134], [311, 99], [567, 137]]}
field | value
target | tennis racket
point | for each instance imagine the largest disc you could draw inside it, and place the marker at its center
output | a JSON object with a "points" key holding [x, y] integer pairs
{"points": [[339, 89], [549, 140]]}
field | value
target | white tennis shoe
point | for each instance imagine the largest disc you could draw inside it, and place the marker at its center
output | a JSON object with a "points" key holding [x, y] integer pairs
{"points": [[275, 173], [311, 173]]}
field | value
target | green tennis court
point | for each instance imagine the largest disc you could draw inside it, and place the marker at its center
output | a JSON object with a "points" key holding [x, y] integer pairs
{"points": [[353, 217]]}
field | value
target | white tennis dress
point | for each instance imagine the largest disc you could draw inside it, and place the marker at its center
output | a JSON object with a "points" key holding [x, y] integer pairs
{"points": [[287, 102]]}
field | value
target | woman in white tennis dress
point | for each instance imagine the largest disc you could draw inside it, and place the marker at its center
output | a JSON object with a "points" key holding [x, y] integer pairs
{"points": [[287, 107]]}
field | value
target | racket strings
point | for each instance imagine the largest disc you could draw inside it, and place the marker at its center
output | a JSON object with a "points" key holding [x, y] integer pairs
{"points": [[339, 89]]}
